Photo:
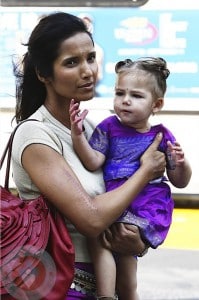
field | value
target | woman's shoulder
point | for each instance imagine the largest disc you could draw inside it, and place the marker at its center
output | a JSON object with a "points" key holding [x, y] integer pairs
{"points": [[33, 131], [31, 128]]}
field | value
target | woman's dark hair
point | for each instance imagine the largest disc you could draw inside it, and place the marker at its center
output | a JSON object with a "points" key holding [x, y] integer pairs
{"points": [[155, 66], [43, 49]]}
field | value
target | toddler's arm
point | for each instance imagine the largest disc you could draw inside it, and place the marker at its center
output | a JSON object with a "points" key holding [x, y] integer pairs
{"points": [[181, 174], [91, 158]]}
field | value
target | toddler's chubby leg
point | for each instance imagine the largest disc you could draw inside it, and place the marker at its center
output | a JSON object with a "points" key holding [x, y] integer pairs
{"points": [[104, 268], [127, 277]]}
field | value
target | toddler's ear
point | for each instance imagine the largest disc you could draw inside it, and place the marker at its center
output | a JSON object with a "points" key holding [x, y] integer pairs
{"points": [[158, 105]]}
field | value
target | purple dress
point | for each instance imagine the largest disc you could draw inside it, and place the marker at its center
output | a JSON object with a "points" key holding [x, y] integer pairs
{"points": [[123, 146]]}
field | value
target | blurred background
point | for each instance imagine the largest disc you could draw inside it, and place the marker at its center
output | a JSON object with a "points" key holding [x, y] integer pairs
{"points": [[121, 29]]}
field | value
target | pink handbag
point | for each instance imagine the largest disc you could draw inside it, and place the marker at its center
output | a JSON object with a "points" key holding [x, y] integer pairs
{"points": [[36, 251]]}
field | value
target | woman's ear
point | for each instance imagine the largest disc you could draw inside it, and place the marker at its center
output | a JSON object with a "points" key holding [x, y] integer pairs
{"points": [[41, 78], [157, 105]]}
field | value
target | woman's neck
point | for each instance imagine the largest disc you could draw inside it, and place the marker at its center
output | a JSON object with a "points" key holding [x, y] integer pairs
{"points": [[59, 112]]}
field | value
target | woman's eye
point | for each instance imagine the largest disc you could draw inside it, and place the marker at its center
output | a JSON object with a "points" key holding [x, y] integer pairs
{"points": [[70, 63], [92, 57]]}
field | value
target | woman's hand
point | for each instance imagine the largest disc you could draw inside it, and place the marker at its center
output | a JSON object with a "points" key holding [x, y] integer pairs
{"points": [[124, 239], [154, 159]]}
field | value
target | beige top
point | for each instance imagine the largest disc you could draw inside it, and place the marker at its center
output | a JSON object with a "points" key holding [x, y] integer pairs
{"points": [[51, 132]]}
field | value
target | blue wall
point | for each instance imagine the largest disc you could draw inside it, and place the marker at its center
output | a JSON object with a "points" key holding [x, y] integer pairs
{"points": [[122, 33]]}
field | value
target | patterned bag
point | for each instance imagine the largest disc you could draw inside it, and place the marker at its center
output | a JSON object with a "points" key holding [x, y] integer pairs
{"points": [[36, 251]]}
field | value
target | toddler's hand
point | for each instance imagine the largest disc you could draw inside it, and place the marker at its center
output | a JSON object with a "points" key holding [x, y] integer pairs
{"points": [[175, 155], [76, 118]]}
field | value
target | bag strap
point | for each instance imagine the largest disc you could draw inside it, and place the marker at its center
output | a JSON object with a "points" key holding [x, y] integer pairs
{"points": [[8, 151]]}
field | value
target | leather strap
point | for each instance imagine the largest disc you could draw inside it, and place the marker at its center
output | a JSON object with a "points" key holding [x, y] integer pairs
{"points": [[8, 151]]}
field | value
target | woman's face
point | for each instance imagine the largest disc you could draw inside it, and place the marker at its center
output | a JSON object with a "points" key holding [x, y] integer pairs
{"points": [[75, 69]]}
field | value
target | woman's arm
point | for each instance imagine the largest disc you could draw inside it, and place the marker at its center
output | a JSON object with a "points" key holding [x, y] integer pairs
{"points": [[55, 179]]}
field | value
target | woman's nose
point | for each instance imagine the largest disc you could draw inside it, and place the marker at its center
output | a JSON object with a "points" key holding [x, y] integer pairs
{"points": [[86, 70]]}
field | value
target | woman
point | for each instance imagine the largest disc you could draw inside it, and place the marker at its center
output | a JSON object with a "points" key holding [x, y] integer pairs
{"points": [[60, 64]]}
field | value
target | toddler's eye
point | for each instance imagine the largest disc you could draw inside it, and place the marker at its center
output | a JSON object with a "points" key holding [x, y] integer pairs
{"points": [[119, 93], [137, 96]]}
